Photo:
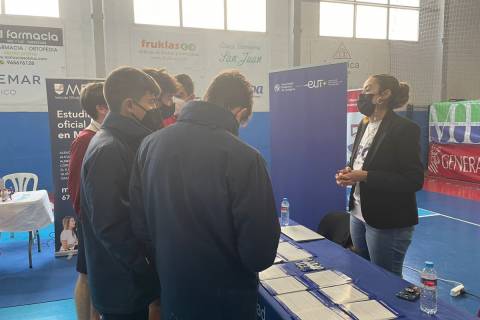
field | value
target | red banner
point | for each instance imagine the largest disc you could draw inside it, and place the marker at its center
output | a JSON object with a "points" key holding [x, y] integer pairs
{"points": [[455, 161], [352, 96]]}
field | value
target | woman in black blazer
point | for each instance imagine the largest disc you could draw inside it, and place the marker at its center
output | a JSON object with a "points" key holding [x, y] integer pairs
{"points": [[384, 171]]}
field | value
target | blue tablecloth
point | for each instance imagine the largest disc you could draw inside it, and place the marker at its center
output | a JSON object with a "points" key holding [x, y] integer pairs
{"points": [[375, 280]]}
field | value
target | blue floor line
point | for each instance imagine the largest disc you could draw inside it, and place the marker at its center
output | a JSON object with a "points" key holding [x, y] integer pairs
{"points": [[56, 310], [459, 208]]}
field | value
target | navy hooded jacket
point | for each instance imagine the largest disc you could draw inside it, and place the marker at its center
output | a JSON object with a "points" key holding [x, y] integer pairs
{"points": [[121, 279], [203, 201]]}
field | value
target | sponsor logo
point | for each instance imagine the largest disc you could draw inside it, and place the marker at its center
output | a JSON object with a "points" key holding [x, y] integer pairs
{"points": [[441, 161], [435, 155], [342, 53], [257, 91], [31, 35], [169, 45], [20, 79], [318, 84], [310, 84]]}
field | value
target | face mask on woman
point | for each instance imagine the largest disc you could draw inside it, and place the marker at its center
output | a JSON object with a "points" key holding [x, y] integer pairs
{"points": [[365, 104]]}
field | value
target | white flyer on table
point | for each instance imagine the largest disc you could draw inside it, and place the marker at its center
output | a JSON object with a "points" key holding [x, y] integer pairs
{"points": [[300, 233], [370, 310], [284, 285], [343, 294], [292, 253], [307, 307], [328, 278], [274, 272]]}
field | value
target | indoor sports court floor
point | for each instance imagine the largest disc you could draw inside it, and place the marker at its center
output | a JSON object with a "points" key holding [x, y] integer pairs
{"points": [[448, 234]]}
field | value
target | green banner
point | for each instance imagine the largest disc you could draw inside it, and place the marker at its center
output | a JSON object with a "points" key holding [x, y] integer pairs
{"points": [[455, 122]]}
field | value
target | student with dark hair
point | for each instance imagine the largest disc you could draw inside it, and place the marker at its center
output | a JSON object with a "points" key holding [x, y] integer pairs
{"points": [[385, 171], [122, 279], [187, 89], [169, 87], [93, 102], [185, 94], [207, 200]]}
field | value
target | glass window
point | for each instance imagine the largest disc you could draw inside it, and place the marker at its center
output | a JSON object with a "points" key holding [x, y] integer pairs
{"points": [[375, 1], [371, 22], [247, 15], [208, 14], [411, 3], [336, 19], [403, 25], [158, 12], [42, 8]]}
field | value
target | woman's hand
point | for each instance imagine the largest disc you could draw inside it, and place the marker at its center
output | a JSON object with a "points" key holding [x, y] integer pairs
{"points": [[354, 177], [340, 176]]}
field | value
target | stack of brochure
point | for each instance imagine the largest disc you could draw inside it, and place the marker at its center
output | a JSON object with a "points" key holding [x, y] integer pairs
{"points": [[306, 306], [274, 272], [289, 252], [343, 294], [328, 278], [369, 310], [300, 233], [283, 285]]}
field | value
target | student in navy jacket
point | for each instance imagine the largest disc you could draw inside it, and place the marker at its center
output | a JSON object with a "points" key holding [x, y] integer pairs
{"points": [[122, 280], [203, 200]]}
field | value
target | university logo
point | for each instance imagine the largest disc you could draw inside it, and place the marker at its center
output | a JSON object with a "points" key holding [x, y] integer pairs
{"points": [[59, 88]]}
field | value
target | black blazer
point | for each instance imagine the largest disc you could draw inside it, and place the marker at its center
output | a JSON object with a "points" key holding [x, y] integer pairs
{"points": [[395, 173]]}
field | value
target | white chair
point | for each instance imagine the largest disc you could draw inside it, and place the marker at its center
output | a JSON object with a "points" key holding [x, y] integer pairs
{"points": [[20, 182]]}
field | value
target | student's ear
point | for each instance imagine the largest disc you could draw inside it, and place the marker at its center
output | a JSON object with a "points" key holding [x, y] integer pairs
{"points": [[242, 115]]}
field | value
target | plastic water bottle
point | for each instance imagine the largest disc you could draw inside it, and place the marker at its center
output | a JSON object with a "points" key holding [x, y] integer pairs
{"points": [[428, 297], [285, 212]]}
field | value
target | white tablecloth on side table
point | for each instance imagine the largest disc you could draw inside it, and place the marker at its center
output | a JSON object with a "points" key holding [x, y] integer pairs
{"points": [[26, 211]]}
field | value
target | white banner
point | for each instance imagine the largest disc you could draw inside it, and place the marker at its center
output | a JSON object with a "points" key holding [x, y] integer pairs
{"points": [[28, 55], [364, 57], [203, 55]]}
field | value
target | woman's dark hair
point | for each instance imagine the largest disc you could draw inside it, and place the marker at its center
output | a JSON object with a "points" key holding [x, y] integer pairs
{"points": [[400, 90]]}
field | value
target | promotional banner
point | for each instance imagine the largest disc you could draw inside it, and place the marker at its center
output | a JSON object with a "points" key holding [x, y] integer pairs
{"points": [[455, 161], [455, 122], [203, 56], [66, 119], [308, 132], [27, 56], [353, 119]]}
